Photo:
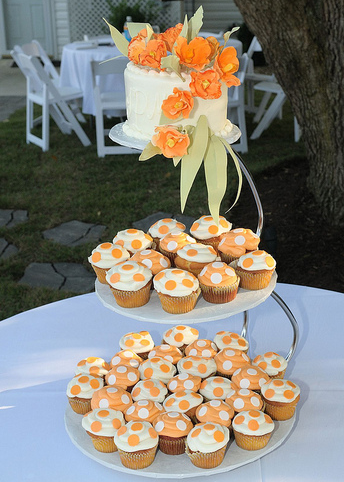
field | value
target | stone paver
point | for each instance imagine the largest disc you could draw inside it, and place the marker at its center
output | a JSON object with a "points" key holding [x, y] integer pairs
{"points": [[145, 223], [7, 249], [12, 217], [74, 233]]}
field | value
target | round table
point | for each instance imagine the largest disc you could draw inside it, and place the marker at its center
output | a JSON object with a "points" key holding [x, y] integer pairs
{"points": [[39, 350]]}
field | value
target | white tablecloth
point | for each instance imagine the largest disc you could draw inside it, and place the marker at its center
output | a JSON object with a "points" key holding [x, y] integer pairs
{"points": [[76, 71], [40, 348]]}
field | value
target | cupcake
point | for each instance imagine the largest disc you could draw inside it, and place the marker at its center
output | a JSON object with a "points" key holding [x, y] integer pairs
{"points": [[133, 240], [272, 363], [280, 397], [80, 391], [180, 336], [206, 444], [157, 368], [150, 389], [213, 388], [236, 243], [123, 376], [140, 343], [228, 339], [250, 377], [206, 231], [126, 357], [143, 410], [172, 428], [197, 366], [244, 399], [218, 282], [137, 443], [111, 397], [252, 429], [164, 226], [255, 270], [184, 401], [228, 361], [172, 242], [215, 411], [104, 257], [101, 425], [184, 381], [130, 283], [92, 365], [204, 348], [193, 257], [154, 261], [167, 352], [177, 289]]}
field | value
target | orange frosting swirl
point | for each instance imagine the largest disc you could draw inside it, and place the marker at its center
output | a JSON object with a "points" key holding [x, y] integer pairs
{"points": [[154, 261], [184, 381], [245, 399], [202, 347], [238, 241], [143, 410], [123, 376], [250, 377], [167, 352], [174, 241], [216, 387], [172, 424], [217, 274], [216, 411], [111, 397], [229, 360], [126, 357]]}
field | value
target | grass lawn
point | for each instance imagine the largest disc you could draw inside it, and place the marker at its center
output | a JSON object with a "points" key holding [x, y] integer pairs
{"points": [[69, 182]]}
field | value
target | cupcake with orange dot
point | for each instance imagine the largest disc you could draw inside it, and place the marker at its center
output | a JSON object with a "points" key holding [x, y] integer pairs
{"points": [[280, 397], [133, 240], [140, 343], [104, 257], [172, 428], [178, 290], [150, 389], [193, 257], [184, 381], [213, 388], [130, 283], [80, 391], [143, 410], [184, 401], [172, 243], [94, 366], [123, 376], [101, 425], [206, 231], [228, 339], [197, 366], [272, 363], [157, 368], [255, 270], [164, 226], [167, 352], [229, 360], [245, 399], [126, 357], [206, 444], [250, 377], [252, 429], [180, 336], [154, 261], [137, 443], [111, 397], [236, 243], [219, 282], [216, 411], [202, 347]]}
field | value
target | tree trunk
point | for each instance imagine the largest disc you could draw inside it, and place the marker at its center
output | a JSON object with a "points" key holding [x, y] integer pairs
{"points": [[303, 42]]}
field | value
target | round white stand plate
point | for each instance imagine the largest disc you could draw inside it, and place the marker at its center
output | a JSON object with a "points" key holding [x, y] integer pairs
{"points": [[203, 311], [117, 135], [173, 466]]}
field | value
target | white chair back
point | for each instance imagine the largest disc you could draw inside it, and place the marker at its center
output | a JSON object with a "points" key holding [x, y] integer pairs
{"points": [[35, 49]]}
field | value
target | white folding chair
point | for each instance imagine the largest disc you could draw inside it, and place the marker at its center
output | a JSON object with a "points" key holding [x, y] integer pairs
{"points": [[236, 105], [107, 102], [40, 90]]}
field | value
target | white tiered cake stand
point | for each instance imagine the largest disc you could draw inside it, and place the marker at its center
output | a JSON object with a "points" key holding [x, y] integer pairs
{"points": [[178, 466]]}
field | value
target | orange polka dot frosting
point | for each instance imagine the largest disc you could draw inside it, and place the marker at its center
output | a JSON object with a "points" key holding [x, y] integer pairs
{"points": [[238, 241], [207, 437], [84, 386], [126, 357], [111, 397], [140, 342], [217, 274], [165, 226], [250, 377], [228, 360], [133, 240], [245, 399], [228, 339], [128, 276], [197, 366], [173, 424], [257, 260], [172, 242], [205, 227], [106, 255], [150, 389], [202, 347], [157, 368], [253, 422], [103, 422], [197, 253], [184, 381], [93, 365], [272, 363], [180, 335], [215, 411], [175, 282], [136, 436], [279, 390], [154, 261], [143, 410], [182, 401], [123, 376], [167, 352], [216, 388]]}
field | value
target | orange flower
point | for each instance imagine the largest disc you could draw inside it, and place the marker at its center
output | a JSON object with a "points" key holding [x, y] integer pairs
{"points": [[195, 54], [178, 103], [135, 48], [226, 64], [170, 35], [171, 142], [205, 84], [214, 45], [153, 53]]}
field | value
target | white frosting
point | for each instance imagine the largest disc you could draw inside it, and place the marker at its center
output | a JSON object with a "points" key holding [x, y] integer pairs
{"points": [[180, 335], [92, 365], [197, 252], [198, 366], [205, 227], [279, 390], [253, 422], [216, 388], [128, 276], [182, 401], [165, 226], [175, 282], [271, 363], [147, 88], [103, 422], [157, 368], [256, 260], [106, 255], [139, 342], [151, 389], [132, 440], [207, 437], [84, 386], [133, 240], [228, 339]]}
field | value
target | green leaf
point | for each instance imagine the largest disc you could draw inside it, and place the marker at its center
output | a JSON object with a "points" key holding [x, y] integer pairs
{"points": [[195, 24], [226, 35], [237, 166], [193, 159], [176, 161], [136, 27], [120, 41], [184, 32], [215, 167], [165, 120], [149, 151], [172, 62]]}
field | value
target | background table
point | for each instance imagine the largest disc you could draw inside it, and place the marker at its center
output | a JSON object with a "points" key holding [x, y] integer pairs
{"points": [[39, 350]]}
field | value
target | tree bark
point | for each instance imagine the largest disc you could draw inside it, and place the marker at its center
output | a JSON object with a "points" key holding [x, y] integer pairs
{"points": [[303, 41]]}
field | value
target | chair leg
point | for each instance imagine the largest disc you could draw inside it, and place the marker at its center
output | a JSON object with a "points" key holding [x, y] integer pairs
{"points": [[262, 106], [269, 115], [45, 127], [59, 119], [74, 123], [100, 133]]}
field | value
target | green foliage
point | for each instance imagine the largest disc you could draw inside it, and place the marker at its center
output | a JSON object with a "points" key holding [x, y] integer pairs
{"points": [[145, 12]]}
